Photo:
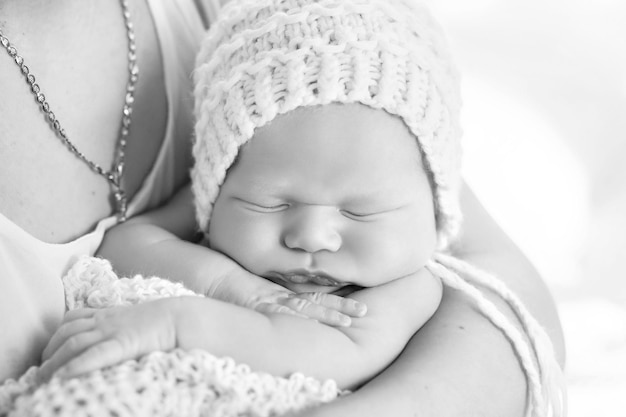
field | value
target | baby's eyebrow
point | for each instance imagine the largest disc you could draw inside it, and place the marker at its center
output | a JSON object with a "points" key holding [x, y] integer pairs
{"points": [[260, 187], [378, 198], [365, 198]]}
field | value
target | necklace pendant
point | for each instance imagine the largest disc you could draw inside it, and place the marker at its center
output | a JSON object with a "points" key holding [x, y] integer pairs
{"points": [[119, 195], [120, 203]]}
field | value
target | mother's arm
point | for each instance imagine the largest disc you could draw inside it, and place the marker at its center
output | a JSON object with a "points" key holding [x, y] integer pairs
{"points": [[458, 364]]}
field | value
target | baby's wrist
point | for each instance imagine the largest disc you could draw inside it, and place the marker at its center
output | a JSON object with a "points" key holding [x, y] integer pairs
{"points": [[211, 273], [237, 286], [177, 309]]}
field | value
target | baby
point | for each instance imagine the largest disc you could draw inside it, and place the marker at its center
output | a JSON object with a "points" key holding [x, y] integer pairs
{"points": [[309, 173], [327, 161]]}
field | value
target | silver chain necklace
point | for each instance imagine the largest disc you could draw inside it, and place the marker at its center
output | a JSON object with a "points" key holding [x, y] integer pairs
{"points": [[114, 175]]}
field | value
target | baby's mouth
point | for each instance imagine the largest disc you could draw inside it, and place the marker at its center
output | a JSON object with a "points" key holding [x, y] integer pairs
{"points": [[306, 277]]}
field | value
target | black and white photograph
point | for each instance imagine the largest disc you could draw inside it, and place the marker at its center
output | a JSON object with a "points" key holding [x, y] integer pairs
{"points": [[312, 208]]}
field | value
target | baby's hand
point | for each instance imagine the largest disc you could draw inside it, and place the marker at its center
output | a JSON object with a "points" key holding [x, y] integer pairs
{"points": [[329, 309], [248, 290], [90, 339]]}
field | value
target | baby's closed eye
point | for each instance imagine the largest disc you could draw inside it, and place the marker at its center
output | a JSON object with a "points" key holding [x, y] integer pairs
{"points": [[359, 214], [368, 213], [263, 206]]}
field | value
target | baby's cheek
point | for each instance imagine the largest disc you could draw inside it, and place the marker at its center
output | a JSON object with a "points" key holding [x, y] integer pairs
{"points": [[406, 250], [402, 257], [379, 258], [254, 244]]}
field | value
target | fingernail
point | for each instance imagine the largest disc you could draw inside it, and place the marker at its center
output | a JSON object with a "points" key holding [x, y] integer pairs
{"points": [[345, 321], [360, 308]]}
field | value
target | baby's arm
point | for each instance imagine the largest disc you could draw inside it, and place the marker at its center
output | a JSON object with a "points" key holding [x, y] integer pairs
{"points": [[162, 243], [350, 355], [275, 343], [459, 364], [159, 243]]}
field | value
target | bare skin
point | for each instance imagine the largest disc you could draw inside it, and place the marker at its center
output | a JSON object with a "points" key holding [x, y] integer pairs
{"points": [[73, 49], [433, 377]]}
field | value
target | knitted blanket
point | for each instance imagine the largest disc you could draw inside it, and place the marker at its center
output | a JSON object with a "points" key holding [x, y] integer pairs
{"points": [[176, 383]]}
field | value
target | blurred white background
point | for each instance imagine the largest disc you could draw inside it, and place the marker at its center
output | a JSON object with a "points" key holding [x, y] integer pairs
{"points": [[544, 84]]}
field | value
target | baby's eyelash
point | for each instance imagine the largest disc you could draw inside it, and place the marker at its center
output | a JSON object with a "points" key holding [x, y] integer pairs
{"points": [[276, 207], [353, 214], [266, 208]]}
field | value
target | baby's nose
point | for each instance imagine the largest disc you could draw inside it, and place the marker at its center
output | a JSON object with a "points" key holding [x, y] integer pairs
{"points": [[312, 229]]}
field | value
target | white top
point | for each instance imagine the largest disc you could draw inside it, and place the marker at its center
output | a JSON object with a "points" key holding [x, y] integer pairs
{"points": [[180, 26]]}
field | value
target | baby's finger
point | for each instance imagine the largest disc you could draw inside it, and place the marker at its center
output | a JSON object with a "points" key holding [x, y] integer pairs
{"points": [[70, 349], [109, 352], [67, 330], [271, 308], [343, 305], [317, 312]]}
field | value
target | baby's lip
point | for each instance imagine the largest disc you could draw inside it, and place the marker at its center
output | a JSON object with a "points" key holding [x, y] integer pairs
{"points": [[302, 276]]}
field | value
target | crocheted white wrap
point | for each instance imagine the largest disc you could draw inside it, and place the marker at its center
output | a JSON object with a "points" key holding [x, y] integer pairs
{"points": [[177, 383], [263, 58]]}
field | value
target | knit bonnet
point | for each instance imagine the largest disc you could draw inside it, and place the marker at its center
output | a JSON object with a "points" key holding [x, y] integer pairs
{"points": [[263, 58]]}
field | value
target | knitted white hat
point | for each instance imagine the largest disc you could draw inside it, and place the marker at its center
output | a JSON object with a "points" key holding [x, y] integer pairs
{"points": [[263, 58]]}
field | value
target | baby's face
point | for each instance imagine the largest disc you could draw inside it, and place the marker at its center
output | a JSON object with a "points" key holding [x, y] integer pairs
{"points": [[327, 196]]}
